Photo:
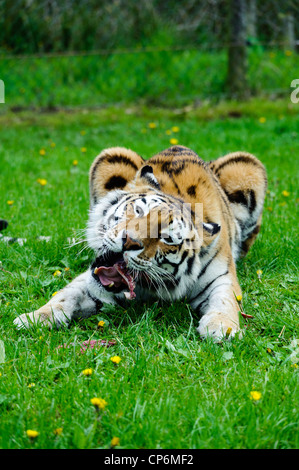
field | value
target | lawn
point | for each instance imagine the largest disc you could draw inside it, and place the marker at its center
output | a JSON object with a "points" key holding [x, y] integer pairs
{"points": [[170, 389], [164, 78]]}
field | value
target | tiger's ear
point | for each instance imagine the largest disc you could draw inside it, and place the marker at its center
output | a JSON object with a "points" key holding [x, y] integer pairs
{"points": [[211, 228], [112, 169], [147, 173]]}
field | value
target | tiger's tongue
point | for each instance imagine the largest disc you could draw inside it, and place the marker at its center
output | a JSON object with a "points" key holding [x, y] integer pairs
{"points": [[108, 275], [116, 275]]}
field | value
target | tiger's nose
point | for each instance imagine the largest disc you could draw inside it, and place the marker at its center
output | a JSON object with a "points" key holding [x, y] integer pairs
{"points": [[130, 243]]}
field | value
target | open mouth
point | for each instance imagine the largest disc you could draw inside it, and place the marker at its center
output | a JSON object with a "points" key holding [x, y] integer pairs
{"points": [[113, 274]]}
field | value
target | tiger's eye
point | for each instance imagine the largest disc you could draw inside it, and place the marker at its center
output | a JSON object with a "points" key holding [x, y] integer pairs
{"points": [[139, 211]]}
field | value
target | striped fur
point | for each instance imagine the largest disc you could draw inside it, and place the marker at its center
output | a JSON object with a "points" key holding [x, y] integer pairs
{"points": [[192, 253]]}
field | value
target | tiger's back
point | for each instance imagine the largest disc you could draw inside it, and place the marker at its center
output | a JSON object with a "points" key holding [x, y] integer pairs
{"points": [[123, 186]]}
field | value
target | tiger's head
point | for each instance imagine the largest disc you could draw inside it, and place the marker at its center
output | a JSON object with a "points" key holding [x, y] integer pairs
{"points": [[145, 240]]}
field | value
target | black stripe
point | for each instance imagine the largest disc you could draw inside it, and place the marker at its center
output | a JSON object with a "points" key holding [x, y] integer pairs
{"points": [[236, 159], [190, 263], [237, 197], [184, 255], [115, 182], [208, 285], [227, 206], [115, 201], [199, 306], [95, 169], [120, 159], [205, 250], [98, 303], [152, 182], [191, 191], [208, 263], [252, 199]]}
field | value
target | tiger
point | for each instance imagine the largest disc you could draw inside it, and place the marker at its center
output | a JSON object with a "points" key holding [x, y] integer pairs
{"points": [[168, 228]]}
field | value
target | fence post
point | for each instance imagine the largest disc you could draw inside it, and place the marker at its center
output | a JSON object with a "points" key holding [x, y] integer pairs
{"points": [[251, 19], [237, 51], [289, 31]]}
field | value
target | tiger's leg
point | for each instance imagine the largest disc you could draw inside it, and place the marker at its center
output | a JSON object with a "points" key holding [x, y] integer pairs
{"points": [[83, 297], [217, 304], [244, 181]]}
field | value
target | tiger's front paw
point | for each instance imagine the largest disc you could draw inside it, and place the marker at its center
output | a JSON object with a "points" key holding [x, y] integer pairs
{"points": [[45, 316], [218, 326]]}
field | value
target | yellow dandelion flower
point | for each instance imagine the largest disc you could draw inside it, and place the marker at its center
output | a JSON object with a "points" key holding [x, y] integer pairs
{"points": [[42, 181], [58, 431], [53, 144], [101, 323], [262, 120], [285, 193], [31, 433], [75, 162], [10, 203], [42, 152], [295, 366], [259, 272], [168, 132], [82, 132], [99, 403], [239, 298], [57, 273], [115, 359], [31, 385], [87, 372], [152, 125], [174, 141], [254, 395], [175, 129], [288, 53], [83, 149], [115, 441]]}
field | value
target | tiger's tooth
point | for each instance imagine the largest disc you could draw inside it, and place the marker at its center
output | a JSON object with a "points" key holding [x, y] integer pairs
{"points": [[96, 270], [111, 284]]}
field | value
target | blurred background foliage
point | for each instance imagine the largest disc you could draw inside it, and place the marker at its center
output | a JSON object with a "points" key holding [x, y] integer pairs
{"points": [[30, 26], [169, 53]]}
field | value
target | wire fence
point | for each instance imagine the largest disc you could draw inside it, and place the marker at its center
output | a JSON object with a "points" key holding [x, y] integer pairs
{"points": [[139, 50]]}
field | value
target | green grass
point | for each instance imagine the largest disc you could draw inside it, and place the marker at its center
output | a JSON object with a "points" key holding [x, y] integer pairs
{"points": [[170, 390], [164, 78]]}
